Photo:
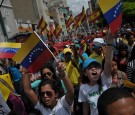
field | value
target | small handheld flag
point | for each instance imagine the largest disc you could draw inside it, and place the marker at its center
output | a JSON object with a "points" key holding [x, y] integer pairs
{"points": [[33, 54]]}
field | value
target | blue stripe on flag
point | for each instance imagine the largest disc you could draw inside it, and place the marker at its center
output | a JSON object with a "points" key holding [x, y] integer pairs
{"points": [[9, 50], [114, 12], [33, 55]]}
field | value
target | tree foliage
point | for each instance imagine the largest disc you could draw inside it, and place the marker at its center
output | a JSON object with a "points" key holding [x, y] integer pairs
{"points": [[128, 11]]}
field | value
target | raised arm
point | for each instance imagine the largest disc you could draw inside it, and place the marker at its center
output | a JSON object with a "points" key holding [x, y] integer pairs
{"points": [[109, 55], [69, 87], [27, 87]]}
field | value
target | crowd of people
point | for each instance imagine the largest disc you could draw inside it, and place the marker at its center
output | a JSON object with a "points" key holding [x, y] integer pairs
{"points": [[93, 75]]}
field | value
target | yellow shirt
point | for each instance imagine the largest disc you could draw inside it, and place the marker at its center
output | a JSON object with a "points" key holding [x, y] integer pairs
{"points": [[125, 40], [72, 73], [98, 58]]}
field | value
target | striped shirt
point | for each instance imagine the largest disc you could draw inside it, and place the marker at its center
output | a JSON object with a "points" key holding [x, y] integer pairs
{"points": [[130, 71]]}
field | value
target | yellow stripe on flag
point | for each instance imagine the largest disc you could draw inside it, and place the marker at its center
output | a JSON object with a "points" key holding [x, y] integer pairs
{"points": [[22, 53], [92, 17], [58, 29], [10, 45], [106, 5], [4, 89]]}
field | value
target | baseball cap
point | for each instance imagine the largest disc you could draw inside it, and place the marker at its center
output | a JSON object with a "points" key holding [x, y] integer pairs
{"points": [[98, 41], [88, 61], [67, 50]]}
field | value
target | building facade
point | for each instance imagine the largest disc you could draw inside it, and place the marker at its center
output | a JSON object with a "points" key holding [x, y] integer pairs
{"points": [[8, 26]]}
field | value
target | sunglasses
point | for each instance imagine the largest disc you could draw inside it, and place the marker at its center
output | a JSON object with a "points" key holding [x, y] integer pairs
{"points": [[48, 93], [47, 73]]}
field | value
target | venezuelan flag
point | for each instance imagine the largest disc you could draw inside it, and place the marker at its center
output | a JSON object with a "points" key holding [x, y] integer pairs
{"points": [[112, 10], [8, 49], [33, 54]]}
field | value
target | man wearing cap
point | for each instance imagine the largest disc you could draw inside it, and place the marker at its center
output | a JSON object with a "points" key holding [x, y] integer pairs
{"points": [[98, 51], [70, 67]]}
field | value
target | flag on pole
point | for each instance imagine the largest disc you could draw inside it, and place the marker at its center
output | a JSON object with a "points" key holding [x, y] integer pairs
{"points": [[49, 34], [57, 30], [94, 16], [6, 86], [112, 10], [69, 21], [33, 54], [83, 16], [8, 49], [51, 28], [79, 18], [42, 25], [76, 20]]}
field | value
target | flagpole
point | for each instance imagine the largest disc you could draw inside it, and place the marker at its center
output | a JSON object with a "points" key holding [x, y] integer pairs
{"points": [[45, 45], [84, 29], [49, 50], [88, 23]]}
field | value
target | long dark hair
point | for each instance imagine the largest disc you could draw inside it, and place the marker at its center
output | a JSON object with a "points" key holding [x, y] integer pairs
{"points": [[121, 47], [99, 82], [55, 78]]}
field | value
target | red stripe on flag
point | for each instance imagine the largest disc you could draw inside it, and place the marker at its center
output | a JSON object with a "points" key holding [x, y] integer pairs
{"points": [[6, 55], [44, 27], [116, 23], [40, 61], [40, 22], [58, 33]]}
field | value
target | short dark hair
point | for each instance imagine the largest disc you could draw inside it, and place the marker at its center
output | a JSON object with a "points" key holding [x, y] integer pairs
{"points": [[109, 96], [48, 66], [44, 82]]}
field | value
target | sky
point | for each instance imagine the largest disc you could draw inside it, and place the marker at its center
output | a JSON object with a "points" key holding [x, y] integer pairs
{"points": [[76, 5]]}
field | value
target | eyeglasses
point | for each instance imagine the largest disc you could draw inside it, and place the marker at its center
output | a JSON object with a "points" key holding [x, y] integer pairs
{"points": [[47, 73], [48, 93]]}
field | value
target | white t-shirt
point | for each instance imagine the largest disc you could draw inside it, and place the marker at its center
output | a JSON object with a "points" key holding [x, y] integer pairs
{"points": [[62, 108], [91, 94]]}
